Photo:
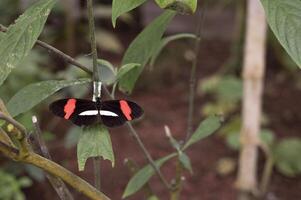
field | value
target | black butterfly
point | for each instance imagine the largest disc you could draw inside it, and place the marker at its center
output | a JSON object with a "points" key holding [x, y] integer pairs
{"points": [[85, 112]]}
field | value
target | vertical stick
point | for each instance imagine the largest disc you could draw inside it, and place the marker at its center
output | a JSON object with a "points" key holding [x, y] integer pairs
{"points": [[96, 80], [57, 183], [253, 74]]}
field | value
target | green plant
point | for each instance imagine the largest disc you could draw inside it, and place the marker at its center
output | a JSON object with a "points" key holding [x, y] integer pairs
{"points": [[11, 186]]}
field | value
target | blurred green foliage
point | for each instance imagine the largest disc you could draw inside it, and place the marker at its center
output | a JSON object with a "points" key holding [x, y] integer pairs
{"points": [[11, 186]]}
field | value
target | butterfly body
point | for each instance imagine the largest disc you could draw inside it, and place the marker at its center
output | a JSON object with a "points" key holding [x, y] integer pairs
{"points": [[85, 112]]}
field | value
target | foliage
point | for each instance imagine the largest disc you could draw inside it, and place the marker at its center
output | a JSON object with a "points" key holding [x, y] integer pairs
{"points": [[11, 186], [93, 142], [143, 176], [287, 156], [285, 21], [21, 36], [181, 6], [33, 94], [142, 49], [120, 7]]}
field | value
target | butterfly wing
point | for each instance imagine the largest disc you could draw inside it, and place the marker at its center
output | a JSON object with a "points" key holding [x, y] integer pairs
{"points": [[117, 112], [79, 111]]}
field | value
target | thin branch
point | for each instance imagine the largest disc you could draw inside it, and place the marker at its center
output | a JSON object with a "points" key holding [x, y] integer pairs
{"points": [[96, 81], [57, 52], [92, 39], [192, 81], [147, 154], [56, 182]]}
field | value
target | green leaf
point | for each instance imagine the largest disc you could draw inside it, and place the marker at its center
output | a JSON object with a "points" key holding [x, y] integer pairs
{"points": [[287, 157], [185, 161], [206, 128], [167, 40], [284, 18], [94, 141], [120, 7], [143, 176], [21, 36], [181, 6], [142, 48], [33, 94], [124, 70]]}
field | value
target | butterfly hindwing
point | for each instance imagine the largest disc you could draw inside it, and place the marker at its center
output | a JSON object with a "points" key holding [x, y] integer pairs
{"points": [[120, 111], [72, 109]]}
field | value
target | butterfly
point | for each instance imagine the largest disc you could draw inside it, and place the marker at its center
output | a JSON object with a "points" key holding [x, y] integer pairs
{"points": [[84, 112]]}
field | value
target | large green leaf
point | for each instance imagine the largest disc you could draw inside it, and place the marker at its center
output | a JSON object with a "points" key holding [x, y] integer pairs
{"points": [[21, 36], [143, 175], [120, 7], [94, 141], [206, 128], [143, 47], [284, 18], [181, 6], [287, 157], [33, 94]]}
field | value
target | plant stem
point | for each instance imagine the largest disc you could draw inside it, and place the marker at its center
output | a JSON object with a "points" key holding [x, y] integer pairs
{"points": [[96, 79], [147, 154], [192, 81], [56, 182], [92, 39]]}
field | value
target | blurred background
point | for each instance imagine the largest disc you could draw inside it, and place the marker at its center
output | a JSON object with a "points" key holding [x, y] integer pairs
{"points": [[162, 91]]}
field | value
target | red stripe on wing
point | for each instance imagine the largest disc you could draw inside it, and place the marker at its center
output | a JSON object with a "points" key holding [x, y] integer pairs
{"points": [[69, 108], [126, 110]]}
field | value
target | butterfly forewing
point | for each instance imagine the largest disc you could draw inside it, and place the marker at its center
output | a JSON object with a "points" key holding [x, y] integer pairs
{"points": [[73, 109], [125, 110]]}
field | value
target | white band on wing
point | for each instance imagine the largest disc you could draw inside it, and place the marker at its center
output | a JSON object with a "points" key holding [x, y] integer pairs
{"points": [[95, 112], [89, 112], [108, 113]]}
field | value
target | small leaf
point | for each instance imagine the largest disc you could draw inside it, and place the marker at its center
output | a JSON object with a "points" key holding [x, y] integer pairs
{"points": [[142, 48], [143, 175], [181, 6], [185, 161], [21, 36], [284, 19], [94, 141], [120, 7], [167, 40], [206, 128], [33, 94], [287, 157]]}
